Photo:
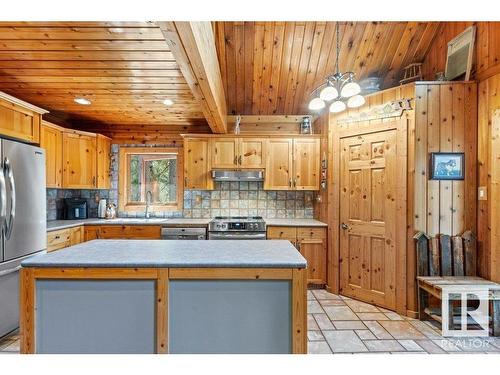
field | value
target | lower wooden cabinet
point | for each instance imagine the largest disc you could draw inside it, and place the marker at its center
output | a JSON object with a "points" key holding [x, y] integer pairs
{"points": [[60, 239], [116, 232], [311, 242]]}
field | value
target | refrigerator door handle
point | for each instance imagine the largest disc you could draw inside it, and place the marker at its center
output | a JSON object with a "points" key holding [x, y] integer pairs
{"points": [[3, 198], [12, 185]]}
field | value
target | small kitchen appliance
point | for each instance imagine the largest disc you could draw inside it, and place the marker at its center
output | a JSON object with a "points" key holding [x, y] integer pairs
{"points": [[75, 208]]}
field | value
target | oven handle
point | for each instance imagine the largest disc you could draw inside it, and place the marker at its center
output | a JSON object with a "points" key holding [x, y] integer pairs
{"points": [[240, 236]]}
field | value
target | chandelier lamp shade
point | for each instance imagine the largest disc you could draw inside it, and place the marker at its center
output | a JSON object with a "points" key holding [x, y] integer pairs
{"points": [[339, 91]]}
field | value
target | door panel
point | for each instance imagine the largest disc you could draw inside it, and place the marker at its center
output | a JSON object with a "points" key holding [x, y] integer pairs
{"points": [[79, 157], [279, 164], [368, 212], [306, 164], [51, 141], [196, 164], [224, 152], [251, 152]]}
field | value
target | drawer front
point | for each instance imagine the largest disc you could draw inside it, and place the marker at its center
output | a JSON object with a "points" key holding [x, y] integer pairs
{"points": [[129, 232], [282, 233], [311, 233], [58, 239]]}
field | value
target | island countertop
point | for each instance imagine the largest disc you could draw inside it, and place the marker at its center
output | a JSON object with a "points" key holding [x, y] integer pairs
{"points": [[173, 254]]}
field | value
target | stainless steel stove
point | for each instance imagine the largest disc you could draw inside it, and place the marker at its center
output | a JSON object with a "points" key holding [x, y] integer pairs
{"points": [[237, 228]]}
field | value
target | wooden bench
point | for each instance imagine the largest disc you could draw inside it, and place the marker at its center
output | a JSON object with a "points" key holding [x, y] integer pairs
{"points": [[445, 261]]}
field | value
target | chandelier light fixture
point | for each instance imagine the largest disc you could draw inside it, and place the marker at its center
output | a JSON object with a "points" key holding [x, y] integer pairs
{"points": [[339, 91]]}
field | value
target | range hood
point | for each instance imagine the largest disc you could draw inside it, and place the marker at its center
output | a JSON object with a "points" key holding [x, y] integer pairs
{"points": [[253, 175]]}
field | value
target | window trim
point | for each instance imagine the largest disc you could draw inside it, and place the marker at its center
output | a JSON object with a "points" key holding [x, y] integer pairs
{"points": [[123, 176]]}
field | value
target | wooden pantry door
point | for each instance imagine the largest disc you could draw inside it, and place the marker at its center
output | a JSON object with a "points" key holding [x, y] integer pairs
{"points": [[368, 218]]}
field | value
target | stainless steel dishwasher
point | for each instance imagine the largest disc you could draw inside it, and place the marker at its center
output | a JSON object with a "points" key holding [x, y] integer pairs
{"points": [[183, 233]]}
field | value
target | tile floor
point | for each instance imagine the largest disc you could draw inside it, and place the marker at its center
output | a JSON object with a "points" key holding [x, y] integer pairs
{"points": [[338, 324]]}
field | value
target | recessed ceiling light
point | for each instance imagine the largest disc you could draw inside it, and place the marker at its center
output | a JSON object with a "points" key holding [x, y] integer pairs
{"points": [[168, 102], [82, 101]]}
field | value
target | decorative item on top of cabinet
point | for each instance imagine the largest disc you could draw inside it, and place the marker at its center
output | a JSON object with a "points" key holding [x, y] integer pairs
{"points": [[103, 162], [197, 164], [311, 242], [79, 158], [51, 141], [19, 119]]}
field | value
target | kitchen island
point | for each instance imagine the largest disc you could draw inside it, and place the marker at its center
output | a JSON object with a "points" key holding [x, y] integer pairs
{"points": [[153, 296]]}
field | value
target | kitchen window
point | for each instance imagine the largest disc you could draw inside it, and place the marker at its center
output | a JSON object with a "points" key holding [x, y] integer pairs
{"points": [[150, 173]]}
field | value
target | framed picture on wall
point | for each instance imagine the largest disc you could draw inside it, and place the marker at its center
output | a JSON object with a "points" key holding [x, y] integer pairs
{"points": [[447, 166]]}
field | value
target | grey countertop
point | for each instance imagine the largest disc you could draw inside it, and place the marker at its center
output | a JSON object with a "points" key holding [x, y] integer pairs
{"points": [[173, 254], [295, 223], [63, 224]]}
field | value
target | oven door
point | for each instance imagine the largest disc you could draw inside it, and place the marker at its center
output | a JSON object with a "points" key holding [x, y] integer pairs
{"points": [[237, 236]]}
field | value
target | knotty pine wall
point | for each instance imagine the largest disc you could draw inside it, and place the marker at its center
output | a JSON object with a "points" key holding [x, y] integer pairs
{"points": [[487, 48], [444, 118], [487, 73], [489, 177]]}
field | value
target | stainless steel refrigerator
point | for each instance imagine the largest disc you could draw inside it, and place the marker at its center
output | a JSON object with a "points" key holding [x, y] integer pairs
{"points": [[23, 223]]}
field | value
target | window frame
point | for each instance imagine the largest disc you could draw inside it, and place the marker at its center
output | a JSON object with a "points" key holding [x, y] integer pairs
{"points": [[124, 175]]}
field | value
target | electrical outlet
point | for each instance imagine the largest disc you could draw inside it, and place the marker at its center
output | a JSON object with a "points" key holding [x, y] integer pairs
{"points": [[482, 193]]}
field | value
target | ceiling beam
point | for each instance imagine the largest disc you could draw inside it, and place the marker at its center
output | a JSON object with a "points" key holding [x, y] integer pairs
{"points": [[193, 46]]}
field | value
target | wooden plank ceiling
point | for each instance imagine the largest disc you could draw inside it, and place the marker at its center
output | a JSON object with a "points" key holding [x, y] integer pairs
{"points": [[270, 68], [125, 68]]}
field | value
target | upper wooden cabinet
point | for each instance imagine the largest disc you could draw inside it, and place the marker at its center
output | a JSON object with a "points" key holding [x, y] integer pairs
{"points": [[224, 152], [306, 166], [238, 153], [51, 141], [19, 119], [103, 149], [79, 160], [197, 164], [292, 164], [279, 164], [251, 152]]}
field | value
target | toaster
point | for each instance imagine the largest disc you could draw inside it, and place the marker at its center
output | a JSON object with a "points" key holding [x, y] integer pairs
{"points": [[75, 208]]}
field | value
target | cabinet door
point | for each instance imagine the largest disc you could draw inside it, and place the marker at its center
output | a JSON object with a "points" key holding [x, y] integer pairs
{"points": [[91, 232], [79, 156], [58, 239], [251, 153], [196, 164], [103, 162], [314, 250], [224, 152], [306, 164], [151, 232], [278, 174], [282, 233], [51, 141], [19, 122], [76, 235]]}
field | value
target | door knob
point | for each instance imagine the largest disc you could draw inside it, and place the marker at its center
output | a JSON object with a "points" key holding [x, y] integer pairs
{"points": [[345, 226]]}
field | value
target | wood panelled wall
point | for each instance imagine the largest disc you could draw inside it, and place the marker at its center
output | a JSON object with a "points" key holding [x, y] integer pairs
{"points": [[489, 177], [487, 48], [446, 122], [443, 118]]}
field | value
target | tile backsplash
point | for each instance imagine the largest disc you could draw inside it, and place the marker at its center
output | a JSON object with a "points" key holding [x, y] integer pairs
{"points": [[227, 199], [247, 199], [55, 201]]}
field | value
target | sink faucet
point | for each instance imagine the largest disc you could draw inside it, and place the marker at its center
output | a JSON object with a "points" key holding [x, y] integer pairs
{"points": [[149, 198]]}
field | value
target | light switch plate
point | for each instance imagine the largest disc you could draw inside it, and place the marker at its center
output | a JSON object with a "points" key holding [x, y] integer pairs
{"points": [[482, 193]]}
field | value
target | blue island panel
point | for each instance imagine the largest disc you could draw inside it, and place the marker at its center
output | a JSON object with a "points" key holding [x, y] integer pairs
{"points": [[95, 316], [230, 316]]}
